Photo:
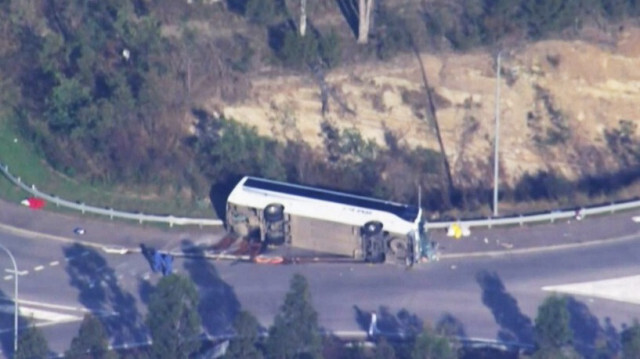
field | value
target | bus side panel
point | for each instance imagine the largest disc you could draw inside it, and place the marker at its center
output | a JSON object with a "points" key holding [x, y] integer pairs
{"points": [[324, 236]]}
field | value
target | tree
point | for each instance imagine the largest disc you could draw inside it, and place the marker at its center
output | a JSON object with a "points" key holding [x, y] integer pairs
{"points": [[32, 344], [552, 323], [630, 339], [173, 318], [91, 342], [364, 14], [243, 345], [303, 17], [295, 331], [428, 345], [384, 350]]}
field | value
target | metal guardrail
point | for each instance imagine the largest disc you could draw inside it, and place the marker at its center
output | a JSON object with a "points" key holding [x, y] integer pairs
{"points": [[110, 212], [540, 217], [171, 220]]}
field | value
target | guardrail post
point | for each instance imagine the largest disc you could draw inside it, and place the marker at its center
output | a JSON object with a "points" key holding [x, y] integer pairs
{"points": [[19, 180], [55, 200], [170, 221], [552, 217], [521, 221], [489, 221], [33, 187], [140, 218], [111, 213]]}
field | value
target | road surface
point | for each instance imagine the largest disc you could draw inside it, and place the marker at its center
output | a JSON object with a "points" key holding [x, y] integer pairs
{"points": [[493, 297]]}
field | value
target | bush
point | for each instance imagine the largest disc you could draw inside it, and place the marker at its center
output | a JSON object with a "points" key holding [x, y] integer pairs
{"points": [[298, 51]]}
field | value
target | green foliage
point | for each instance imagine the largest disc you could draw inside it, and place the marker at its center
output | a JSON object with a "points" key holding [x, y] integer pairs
{"points": [[630, 339], [552, 326], [243, 345], [173, 319], [392, 35], [92, 341], [544, 16], [32, 344], [330, 49], [228, 150], [428, 345], [263, 12], [66, 101], [384, 350], [295, 332], [298, 51]]}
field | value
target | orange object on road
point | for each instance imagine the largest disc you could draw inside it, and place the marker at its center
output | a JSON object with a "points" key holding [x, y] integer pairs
{"points": [[268, 260]]}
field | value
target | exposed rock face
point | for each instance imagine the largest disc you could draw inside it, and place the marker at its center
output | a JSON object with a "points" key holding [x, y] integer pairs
{"points": [[559, 100]]}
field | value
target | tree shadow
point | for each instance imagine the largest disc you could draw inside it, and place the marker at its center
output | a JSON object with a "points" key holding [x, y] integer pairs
{"points": [[514, 326], [100, 293], [349, 9], [7, 323], [218, 303], [590, 339]]}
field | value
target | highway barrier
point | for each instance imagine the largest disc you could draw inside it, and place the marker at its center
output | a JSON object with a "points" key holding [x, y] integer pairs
{"points": [[109, 212], [577, 213]]}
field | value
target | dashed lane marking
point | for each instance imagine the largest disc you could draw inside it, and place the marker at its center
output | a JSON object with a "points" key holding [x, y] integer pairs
{"points": [[38, 268], [54, 263], [7, 277]]}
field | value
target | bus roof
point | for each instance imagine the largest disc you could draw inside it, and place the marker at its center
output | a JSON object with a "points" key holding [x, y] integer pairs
{"points": [[406, 212]]}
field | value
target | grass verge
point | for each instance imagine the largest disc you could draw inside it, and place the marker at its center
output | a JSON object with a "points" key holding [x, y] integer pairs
{"points": [[25, 162]]}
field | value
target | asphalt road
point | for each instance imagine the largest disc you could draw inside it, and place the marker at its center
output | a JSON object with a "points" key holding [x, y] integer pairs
{"points": [[493, 296]]}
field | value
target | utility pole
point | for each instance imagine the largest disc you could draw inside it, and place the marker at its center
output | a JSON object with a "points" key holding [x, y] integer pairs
{"points": [[496, 138]]}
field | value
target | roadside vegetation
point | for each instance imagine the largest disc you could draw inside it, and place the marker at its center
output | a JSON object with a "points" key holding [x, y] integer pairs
{"points": [[175, 329], [104, 98]]}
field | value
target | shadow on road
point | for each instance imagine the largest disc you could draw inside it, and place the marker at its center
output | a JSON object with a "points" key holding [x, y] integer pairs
{"points": [[218, 303], [7, 322], [100, 293], [514, 326], [589, 338]]}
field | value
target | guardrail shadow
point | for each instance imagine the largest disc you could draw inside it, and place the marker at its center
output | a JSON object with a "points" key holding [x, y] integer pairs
{"points": [[514, 326], [100, 293], [218, 302], [590, 339]]}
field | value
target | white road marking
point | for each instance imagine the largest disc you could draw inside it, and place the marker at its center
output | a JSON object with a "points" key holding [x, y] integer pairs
{"points": [[624, 289], [39, 314], [54, 263], [38, 268], [52, 306], [7, 277]]}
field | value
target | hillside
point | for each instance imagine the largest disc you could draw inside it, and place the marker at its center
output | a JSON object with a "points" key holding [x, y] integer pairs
{"points": [[562, 105]]}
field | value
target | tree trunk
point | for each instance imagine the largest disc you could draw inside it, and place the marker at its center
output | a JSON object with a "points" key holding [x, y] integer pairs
{"points": [[364, 14], [303, 17]]}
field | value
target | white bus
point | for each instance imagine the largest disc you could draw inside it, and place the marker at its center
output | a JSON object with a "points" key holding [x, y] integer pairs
{"points": [[368, 229]]}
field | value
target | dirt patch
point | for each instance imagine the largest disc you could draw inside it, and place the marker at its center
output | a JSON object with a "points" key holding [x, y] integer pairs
{"points": [[586, 89]]}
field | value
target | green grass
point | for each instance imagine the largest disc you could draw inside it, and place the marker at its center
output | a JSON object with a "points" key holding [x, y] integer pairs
{"points": [[25, 162]]}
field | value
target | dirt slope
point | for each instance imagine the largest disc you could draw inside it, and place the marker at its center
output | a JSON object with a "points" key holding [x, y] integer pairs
{"points": [[557, 100]]}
